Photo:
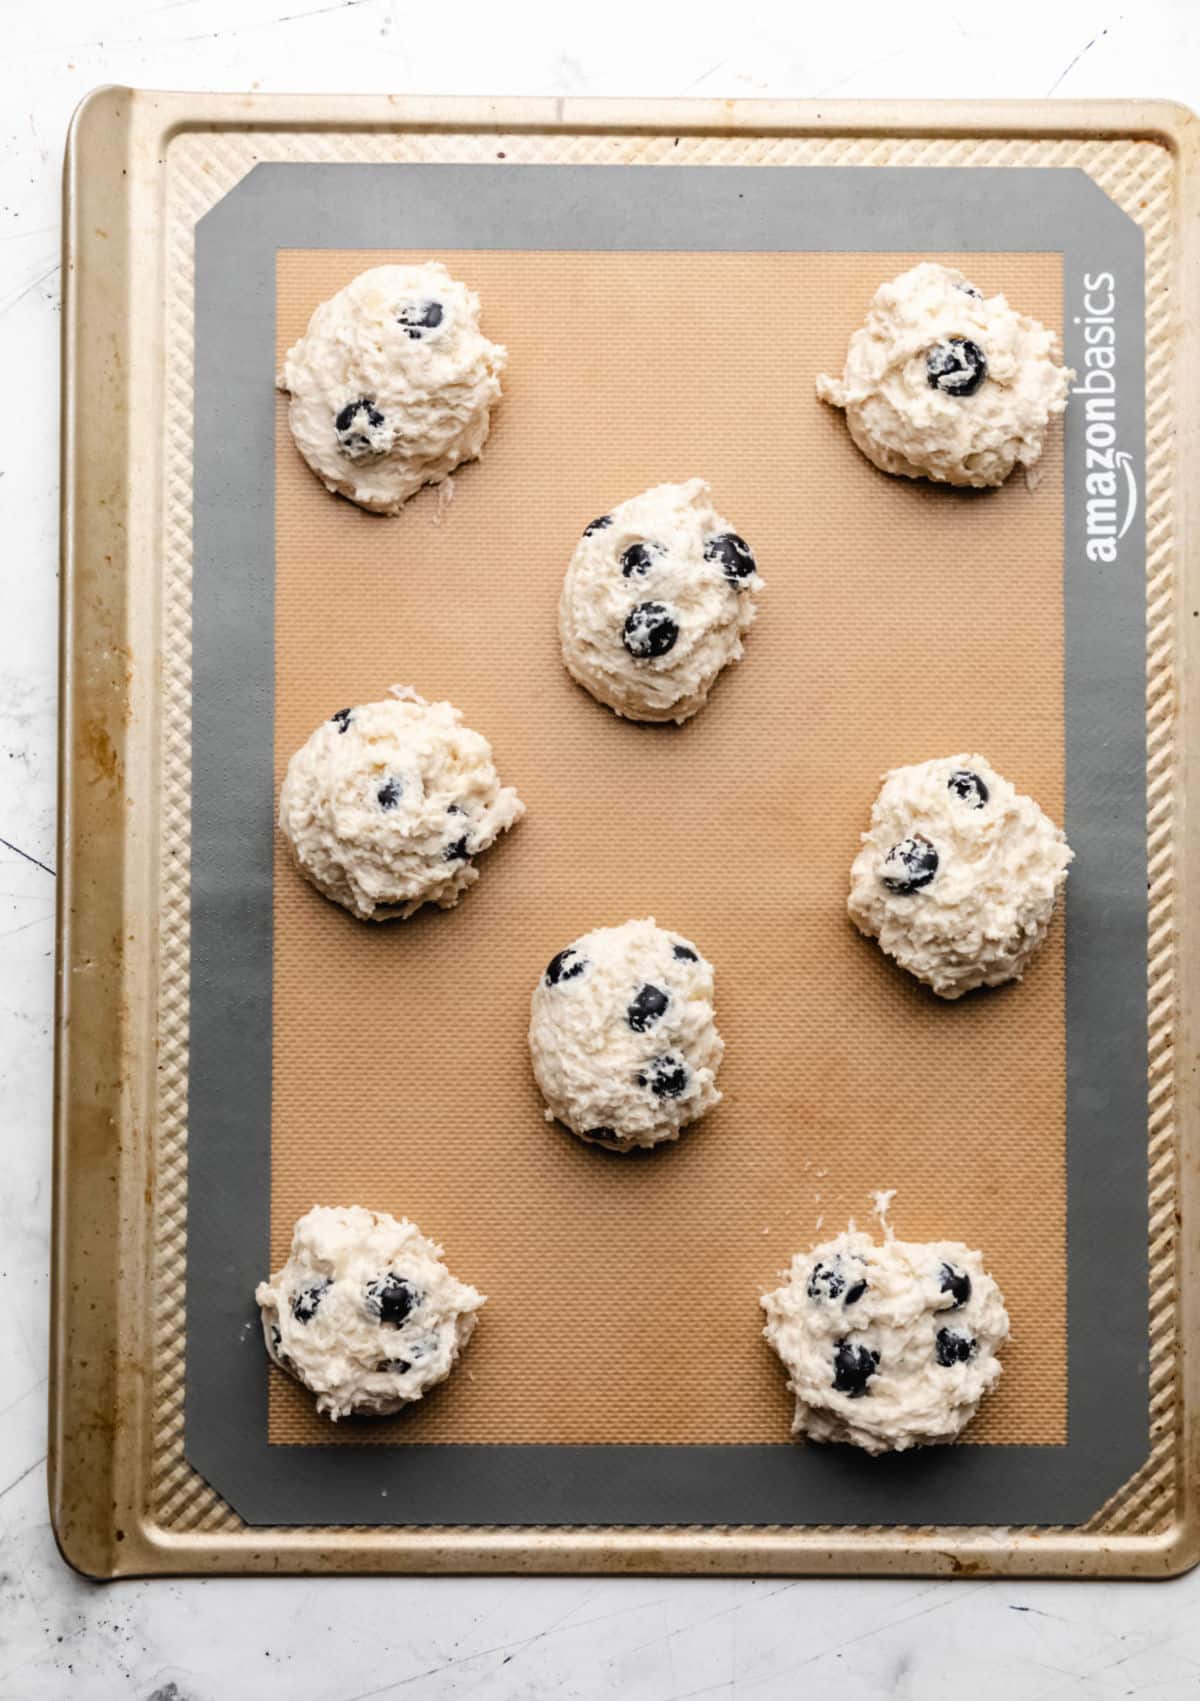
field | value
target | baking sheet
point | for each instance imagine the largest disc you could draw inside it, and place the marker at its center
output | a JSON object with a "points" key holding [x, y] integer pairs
{"points": [[160, 1458]]}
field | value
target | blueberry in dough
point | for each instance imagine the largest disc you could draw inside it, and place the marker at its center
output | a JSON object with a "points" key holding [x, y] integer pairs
{"points": [[912, 864], [394, 1367], [957, 1283], [388, 795], [341, 719], [600, 1135], [457, 851], [597, 525], [969, 289], [391, 1298], [685, 954], [647, 1008], [827, 1281], [956, 366], [354, 426], [855, 1293], [853, 1368], [417, 317], [565, 965], [733, 554], [306, 1302], [667, 1076], [953, 1348], [971, 788], [649, 631], [638, 558]]}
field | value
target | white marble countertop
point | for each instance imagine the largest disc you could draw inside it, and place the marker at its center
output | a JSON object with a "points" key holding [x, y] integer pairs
{"points": [[349, 1639]]}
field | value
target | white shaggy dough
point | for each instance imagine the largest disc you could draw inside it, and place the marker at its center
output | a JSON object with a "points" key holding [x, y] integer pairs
{"points": [[958, 876], [386, 804], [624, 1046], [364, 1313], [903, 411], [886, 1346], [655, 602], [392, 384]]}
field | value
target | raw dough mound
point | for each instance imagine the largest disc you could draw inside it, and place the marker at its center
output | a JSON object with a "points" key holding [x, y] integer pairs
{"points": [[886, 1346], [958, 876], [656, 599], [941, 384], [624, 1045], [387, 803], [364, 1313], [392, 384]]}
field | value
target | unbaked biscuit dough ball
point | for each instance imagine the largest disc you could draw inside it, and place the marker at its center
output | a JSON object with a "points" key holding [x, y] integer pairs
{"points": [[886, 1346], [943, 384], [656, 600], [364, 1313], [625, 1048], [958, 875], [392, 385], [387, 805]]}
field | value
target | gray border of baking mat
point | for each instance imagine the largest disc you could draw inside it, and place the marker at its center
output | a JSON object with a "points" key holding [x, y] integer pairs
{"points": [[650, 208]]}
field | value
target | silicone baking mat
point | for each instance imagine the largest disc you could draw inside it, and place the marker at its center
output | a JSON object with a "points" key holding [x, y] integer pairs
{"points": [[625, 1294], [618, 1374]]}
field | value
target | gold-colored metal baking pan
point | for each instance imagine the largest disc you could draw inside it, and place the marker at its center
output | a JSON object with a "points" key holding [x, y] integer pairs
{"points": [[668, 277]]}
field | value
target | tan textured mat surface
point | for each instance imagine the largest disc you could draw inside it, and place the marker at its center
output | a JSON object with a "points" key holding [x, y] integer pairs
{"points": [[623, 1290]]}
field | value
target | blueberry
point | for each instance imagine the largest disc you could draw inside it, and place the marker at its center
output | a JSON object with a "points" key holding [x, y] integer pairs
{"points": [[649, 631], [969, 787], [827, 1281], [651, 1003], [666, 1076], [639, 558], [562, 968], [341, 720], [853, 1368], [733, 554], [391, 1298], [956, 366], [913, 863], [457, 852], [276, 1337], [854, 1294], [417, 317], [601, 1134], [355, 425], [969, 289], [393, 1366], [956, 1282], [305, 1303], [597, 525], [685, 954], [953, 1348], [388, 795]]}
